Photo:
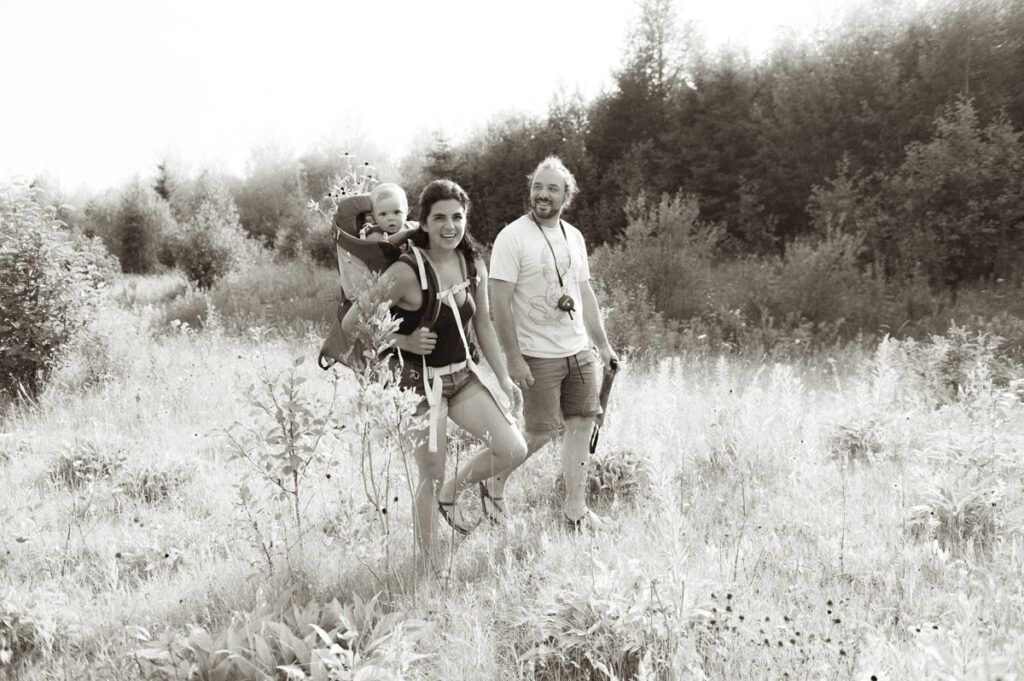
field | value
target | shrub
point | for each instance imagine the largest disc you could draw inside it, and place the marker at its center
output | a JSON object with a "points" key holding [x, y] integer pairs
{"points": [[109, 348], [211, 242], [319, 245], [138, 292], [99, 218], [664, 248], [189, 310], [292, 295], [270, 200], [632, 324], [49, 289]]}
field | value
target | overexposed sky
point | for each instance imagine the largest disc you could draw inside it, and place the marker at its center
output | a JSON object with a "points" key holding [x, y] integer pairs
{"points": [[95, 91]]}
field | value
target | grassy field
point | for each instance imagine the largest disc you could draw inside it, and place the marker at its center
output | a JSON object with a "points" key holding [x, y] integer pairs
{"points": [[850, 517]]}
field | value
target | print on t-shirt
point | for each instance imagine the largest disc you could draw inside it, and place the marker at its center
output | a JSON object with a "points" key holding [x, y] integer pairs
{"points": [[544, 309]]}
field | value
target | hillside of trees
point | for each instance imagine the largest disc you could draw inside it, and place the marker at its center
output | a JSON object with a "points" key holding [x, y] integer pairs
{"points": [[901, 125], [866, 178]]}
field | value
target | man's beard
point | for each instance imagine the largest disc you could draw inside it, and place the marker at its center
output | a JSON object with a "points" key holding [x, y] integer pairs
{"points": [[547, 210]]}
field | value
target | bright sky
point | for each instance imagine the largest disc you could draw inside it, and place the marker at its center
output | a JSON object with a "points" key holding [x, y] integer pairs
{"points": [[95, 91]]}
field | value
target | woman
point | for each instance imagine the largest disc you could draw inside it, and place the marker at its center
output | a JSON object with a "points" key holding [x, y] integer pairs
{"points": [[436, 363]]}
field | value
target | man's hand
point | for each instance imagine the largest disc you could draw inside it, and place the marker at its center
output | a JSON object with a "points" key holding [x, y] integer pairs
{"points": [[519, 372], [608, 355]]}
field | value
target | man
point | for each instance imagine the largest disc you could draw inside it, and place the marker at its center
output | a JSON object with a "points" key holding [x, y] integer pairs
{"points": [[547, 319]]}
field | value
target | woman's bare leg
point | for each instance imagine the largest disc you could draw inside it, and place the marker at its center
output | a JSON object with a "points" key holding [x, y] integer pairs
{"points": [[431, 474], [505, 445]]}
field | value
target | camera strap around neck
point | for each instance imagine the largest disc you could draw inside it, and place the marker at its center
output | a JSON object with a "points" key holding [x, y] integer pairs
{"points": [[554, 257]]}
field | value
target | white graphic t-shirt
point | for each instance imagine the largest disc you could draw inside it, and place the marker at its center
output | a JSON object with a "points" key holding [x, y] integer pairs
{"points": [[521, 255]]}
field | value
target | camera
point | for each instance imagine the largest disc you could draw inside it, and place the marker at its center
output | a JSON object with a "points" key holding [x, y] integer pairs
{"points": [[566, 304]]}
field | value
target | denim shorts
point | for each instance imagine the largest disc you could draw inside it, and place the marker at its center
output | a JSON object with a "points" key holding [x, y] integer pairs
{"points": [[562, 387], [455, 388]]}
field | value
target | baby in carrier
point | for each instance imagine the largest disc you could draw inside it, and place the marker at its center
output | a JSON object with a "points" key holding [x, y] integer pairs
{"points": [[370, 232], [385, 208]]}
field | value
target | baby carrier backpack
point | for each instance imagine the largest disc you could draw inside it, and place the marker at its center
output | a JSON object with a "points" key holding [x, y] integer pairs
{"points": [[357, 258]]}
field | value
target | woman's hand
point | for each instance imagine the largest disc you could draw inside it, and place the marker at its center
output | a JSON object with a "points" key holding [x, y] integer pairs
{"points": [[421, 341], [515, 395]]}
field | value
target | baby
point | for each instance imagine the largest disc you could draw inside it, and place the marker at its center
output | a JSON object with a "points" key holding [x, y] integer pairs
{"points": [[389, 210]]}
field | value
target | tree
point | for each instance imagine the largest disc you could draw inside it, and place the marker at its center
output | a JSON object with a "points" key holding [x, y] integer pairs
{"points": [[956, 204], [211, 242], [271, 199], [143, 222]]}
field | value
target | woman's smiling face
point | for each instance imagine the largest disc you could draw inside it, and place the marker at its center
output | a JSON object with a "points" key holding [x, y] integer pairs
{"points": [[446, 224]]}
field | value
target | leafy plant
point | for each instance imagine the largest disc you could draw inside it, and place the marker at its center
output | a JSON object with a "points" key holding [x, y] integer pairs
{"points": [[615, 474], [318, 642], [355, 178], [618, 473], [384, 413], [616, 624], [26, 631], [83, 462], [283, 445], [152, 483], [857, 440], [958, 512]]}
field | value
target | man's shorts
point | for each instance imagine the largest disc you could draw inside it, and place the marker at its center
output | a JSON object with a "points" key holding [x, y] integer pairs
{"points": [[564, 386]]}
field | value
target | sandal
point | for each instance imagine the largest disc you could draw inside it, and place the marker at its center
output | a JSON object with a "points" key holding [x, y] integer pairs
{"points": [[447, 511], [485, 496], [588, 521]]}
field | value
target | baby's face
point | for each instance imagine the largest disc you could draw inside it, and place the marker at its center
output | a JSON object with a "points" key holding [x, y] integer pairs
{"points": [[389, 213]]}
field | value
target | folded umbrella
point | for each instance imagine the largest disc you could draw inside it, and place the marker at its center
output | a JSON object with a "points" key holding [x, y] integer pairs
{"points": [[606, 388]]}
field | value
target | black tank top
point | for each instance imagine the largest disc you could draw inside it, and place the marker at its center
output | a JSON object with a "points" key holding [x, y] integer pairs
{"points": [[449, 348]]}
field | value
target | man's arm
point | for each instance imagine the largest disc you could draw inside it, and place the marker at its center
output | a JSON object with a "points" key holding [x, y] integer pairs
{"points": [[505, 325], [594, 325]]}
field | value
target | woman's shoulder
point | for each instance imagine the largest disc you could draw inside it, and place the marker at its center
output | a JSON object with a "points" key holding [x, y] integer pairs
{"points": [[402, 272]]}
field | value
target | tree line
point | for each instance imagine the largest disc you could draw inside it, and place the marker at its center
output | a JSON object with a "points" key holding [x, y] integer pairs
{"points": [[900, 125]]}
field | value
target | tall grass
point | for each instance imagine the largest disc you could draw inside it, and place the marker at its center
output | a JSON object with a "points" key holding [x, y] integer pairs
{"points": [[826, 517]]}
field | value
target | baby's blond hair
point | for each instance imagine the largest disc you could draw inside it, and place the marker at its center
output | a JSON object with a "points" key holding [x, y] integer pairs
{"points": [[386, 189]]}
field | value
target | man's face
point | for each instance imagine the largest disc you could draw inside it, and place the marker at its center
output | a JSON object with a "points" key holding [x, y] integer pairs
{"points": [[547, 193], [389, 213]]}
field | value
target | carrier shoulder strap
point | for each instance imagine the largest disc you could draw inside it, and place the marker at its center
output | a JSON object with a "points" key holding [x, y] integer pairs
{"points": [[428, 284]]}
